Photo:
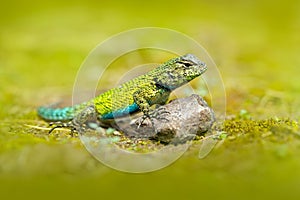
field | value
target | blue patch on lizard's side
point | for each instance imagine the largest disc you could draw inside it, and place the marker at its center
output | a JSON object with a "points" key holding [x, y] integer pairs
{"points": [[121, 112]]}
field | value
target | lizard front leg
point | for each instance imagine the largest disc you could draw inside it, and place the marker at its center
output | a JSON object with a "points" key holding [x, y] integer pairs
{"points": [[146, 98], [142, 99]]}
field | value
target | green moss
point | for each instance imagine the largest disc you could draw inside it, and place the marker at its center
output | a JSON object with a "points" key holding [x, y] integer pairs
{"points": [[243, 126]]}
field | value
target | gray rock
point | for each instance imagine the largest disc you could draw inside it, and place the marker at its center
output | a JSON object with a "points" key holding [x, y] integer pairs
{"points": [[176, 122]]}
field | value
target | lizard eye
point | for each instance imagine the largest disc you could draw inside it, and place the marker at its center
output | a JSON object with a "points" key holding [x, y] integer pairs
{"points": [[185, 64], [188, 65]]}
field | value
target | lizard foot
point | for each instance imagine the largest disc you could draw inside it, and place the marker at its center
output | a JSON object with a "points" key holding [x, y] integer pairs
{"points": [[160, 113], [62, 125], [145, 120]]}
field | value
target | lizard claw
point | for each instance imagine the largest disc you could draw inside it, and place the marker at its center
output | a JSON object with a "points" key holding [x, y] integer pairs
{"points": [[160, 113], [62, 125], [143, 121]]}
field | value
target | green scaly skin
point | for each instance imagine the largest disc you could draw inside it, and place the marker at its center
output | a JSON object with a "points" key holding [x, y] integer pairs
{"points": [[138, 94]]}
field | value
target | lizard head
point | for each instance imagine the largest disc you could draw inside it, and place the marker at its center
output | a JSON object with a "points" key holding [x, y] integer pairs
{"points": [[178, 71]]}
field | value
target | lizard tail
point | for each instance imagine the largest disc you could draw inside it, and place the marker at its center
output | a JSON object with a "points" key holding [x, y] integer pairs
{"points": [[59, 114]]}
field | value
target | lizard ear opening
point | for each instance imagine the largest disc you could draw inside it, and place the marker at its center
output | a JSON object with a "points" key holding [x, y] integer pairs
{"points": [[165, 85], [160, 86]]}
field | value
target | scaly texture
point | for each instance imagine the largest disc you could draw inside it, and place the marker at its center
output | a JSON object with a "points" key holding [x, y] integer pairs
{"points": [[137, 94]]}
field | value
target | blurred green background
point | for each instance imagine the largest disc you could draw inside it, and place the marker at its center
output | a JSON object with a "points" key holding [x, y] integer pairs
{"points": [[254, 43]]}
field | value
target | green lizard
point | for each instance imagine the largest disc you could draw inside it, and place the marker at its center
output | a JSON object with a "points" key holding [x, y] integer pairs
{"points": [[138, 94]]}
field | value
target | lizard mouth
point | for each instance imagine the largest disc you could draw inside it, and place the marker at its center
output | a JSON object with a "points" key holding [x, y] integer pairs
{"points": [[203, 68]]}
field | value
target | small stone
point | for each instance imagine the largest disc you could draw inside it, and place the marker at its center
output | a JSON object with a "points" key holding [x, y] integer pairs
{"points": [[177, 122], [110, 131]]}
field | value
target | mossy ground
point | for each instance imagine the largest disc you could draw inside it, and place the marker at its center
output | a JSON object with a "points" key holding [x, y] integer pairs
{"points": [[255, 45]]}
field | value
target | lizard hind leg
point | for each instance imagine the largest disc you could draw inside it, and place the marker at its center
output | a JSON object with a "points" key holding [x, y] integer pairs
{"points": [[79, 122]]}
